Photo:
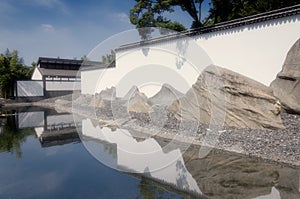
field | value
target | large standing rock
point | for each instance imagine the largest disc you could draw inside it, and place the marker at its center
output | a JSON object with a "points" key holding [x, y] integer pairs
{"points": [[286, 86], [221, 96]]}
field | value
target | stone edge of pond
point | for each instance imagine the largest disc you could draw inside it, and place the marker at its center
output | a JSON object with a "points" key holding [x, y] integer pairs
{"points": [[164, 135]]}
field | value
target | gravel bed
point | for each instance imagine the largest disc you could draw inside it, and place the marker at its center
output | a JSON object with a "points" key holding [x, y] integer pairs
{"points": [[276, 145]]}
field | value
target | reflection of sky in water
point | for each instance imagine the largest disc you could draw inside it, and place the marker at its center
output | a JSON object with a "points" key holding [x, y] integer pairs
{"points": [[70, 173]]}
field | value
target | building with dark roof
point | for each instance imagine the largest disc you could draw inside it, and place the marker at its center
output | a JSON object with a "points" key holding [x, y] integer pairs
{"points": [[59, 76], [56, 68], [53, 77]]}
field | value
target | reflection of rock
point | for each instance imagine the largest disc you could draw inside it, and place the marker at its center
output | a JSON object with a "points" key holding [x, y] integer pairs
{"points": [[222, 175], [222, 94], [286, 86], [165, 96], [143, 157], [83, 100]]}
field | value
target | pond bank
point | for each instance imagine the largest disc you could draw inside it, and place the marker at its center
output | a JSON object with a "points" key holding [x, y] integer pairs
{"points": [[280, 146]]}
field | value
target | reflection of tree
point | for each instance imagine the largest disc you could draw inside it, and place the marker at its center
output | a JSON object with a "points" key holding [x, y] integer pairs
{"points": [[181, 179], [181, 49], [111, 149], [11, 138], [147, 189], [150, 190]]}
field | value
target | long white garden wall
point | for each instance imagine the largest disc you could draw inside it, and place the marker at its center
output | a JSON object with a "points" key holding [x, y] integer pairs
{"points": [[257, 50], [255, 47]]}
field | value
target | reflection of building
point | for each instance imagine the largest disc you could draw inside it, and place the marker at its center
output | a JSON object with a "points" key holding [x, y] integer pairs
{"points": [[51, 128]]}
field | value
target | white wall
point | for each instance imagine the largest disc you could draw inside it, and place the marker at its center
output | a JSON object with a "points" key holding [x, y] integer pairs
{"points": [[30, 88], [257, 50], [36, 74], [177, 63], [89, 79], [62, 86]]}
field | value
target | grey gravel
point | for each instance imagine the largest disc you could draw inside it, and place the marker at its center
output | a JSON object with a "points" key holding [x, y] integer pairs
{"points": [[276, 145]]}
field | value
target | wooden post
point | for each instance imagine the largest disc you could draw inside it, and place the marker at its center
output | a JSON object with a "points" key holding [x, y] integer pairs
{"points": [[44, 86]]}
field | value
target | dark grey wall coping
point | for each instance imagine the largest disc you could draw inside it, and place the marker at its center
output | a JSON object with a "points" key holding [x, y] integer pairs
{"points": [[267, 16]]}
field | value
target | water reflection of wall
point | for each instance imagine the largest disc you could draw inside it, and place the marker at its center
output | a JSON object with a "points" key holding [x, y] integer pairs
{"points": [[30, 119], [145, 157], [220, 175], [51, 128]]}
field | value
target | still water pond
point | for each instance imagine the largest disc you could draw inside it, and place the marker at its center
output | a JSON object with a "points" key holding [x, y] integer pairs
{"points": [[45, 154]]}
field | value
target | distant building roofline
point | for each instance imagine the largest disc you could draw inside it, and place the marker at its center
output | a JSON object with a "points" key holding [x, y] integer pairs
{"points": [[92, 65], [58, 61], [67, 64]]}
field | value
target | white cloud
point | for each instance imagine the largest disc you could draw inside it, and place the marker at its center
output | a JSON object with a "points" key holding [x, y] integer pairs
{"points": [[122, 17], [48, 28]]}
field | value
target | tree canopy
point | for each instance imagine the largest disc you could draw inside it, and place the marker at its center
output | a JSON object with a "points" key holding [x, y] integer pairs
{"points": [[152, 13], [109, 58], [225, 10], [12, 68]]}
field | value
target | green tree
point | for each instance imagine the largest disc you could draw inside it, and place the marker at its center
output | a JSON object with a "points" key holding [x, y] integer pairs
{"points": [[84, 58], [259, 6], [12, 68], [109, 58], [220, 10], [224, 10], [151, 13]]}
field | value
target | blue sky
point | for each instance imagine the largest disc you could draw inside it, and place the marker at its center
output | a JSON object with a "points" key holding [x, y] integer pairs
{"points": [[64, 28]]}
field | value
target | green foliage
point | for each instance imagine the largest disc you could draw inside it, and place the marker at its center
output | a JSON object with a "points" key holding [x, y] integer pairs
{"points": [[84, 58], [150, 13], [12, 68], [11, 138], [109, 58], [224, 10]]}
